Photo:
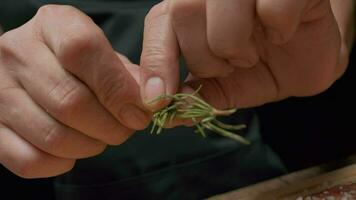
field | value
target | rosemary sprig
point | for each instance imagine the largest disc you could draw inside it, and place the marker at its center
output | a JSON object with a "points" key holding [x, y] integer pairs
{"points": [[203, 115]]}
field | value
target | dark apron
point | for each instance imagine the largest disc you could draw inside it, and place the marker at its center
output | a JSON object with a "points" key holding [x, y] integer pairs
{"points": [[178, 164]]}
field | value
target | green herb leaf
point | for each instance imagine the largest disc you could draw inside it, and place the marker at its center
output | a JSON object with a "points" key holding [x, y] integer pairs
{"points": [[203, 115]]}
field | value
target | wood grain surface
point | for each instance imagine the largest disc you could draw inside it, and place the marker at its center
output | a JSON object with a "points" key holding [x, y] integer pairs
{"points": [[298, 184]]}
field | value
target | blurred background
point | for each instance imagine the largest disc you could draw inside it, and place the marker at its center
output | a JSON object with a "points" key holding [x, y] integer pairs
{"points": [[313, 130]]}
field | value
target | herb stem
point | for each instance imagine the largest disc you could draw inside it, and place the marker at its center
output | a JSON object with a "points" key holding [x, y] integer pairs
{"points": [[203, 115]]}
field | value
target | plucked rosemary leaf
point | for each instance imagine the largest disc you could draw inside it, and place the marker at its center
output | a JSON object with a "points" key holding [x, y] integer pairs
{"points": [[203, 115]]}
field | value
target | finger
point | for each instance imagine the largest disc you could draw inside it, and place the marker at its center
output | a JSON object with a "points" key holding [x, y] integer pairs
{"points": [[182, 121], [62, 95], [244, 88], [189, 23], [281, 18], [89, 56], [159, 59], [26, 161], [133, 69], [27, 119], [230, 24]]}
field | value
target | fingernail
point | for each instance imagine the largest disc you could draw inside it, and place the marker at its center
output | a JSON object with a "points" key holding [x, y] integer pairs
{"points": [[241, 63], [274, 36], [154, 88], [134, 117]]}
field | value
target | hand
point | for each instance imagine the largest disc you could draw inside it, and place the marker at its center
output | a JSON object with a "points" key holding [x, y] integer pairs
{"points": [[64, 93], [244, 53]]}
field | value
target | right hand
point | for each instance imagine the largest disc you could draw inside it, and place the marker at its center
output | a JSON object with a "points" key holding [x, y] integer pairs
{"points": [[64, 93], [245, 53]]}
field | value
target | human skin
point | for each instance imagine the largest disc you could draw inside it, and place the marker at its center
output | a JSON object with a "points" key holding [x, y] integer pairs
{"points": [[64, 93], [248, 53]]}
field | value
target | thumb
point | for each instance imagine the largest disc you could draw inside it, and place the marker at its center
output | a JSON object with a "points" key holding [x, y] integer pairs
{"points": [[159, 72]]}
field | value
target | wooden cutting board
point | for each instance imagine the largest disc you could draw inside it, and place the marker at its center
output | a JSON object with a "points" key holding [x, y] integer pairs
{"points": [[298, 184], [314, 185]]}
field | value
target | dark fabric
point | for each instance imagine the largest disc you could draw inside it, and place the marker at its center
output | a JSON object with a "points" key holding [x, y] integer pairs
{"points": [[178, 164], [313, 130], [227, 168]]}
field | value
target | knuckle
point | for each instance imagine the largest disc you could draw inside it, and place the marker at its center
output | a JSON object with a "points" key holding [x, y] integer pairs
{"points": [[55, 139], [154, 52], [182, 10], [58, 141], [76, 44], [155, 12], [7, 98], [69, 97], [8, 45], [223, 49], [155, 56], [114, 89], [52, 9], [46, 10], [276, 16], [85, 39], [229, 47], [4, 42], [79, 34]]}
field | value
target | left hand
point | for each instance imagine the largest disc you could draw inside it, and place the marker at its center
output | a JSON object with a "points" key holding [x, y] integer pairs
{"points": [[244, 52]]}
